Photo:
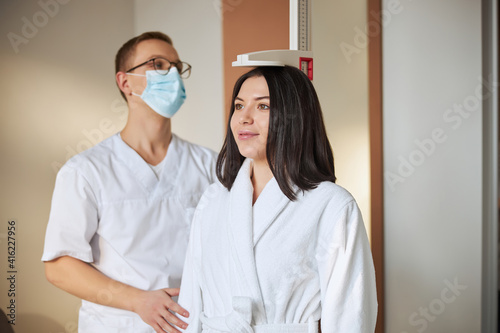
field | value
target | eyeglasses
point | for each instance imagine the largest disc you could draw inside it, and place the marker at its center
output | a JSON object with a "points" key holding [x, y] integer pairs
{"points": [[162, 66]]}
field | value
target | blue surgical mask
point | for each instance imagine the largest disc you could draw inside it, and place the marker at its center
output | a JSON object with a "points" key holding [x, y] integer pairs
{"points": [[165, 94]]}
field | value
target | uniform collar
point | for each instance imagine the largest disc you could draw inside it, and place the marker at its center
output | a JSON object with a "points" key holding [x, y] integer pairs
{"points": [[140, 168]]}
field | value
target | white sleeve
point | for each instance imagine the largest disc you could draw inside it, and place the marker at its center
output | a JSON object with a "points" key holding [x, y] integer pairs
{"points": [[212, 167], [190, 293], [347, 276], [73, 218]]}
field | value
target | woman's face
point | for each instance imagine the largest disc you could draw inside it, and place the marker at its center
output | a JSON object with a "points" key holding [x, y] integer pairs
{"points": [[250, 120]]}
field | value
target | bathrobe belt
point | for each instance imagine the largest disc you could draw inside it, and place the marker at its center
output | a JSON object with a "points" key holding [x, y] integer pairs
{"points": [[238, 321]]}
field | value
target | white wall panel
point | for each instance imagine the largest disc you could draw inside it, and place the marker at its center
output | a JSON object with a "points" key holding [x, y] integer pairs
{"points": [[433, 166]]}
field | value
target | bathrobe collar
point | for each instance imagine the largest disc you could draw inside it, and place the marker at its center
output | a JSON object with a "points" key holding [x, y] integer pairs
{"points": [[269, 204]]}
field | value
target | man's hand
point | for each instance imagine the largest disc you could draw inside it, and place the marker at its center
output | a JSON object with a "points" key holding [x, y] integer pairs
{"points": [[153, 307], [84, 281]]}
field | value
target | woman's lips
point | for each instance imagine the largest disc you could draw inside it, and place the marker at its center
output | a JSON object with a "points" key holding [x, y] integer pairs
{"points": [[245, 135]]}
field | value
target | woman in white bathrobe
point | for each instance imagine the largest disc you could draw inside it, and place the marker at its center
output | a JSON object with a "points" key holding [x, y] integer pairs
{"points": [[277, 246]]}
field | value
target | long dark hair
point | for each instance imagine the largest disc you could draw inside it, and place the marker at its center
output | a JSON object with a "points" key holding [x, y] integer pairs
{"points": [[298, 151]]}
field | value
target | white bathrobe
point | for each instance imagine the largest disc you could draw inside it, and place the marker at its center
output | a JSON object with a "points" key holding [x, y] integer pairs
{"points": [[278, 265]]}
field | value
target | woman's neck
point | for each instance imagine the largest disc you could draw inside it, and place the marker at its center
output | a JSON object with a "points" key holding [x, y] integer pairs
{"points": [[261, 175]]}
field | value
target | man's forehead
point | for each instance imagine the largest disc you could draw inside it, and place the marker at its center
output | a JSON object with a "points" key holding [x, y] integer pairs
{"points": [[152, 48]]}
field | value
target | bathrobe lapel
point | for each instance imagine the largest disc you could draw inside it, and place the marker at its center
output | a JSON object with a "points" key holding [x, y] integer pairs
{"points": [[240, 222], [266, 209], [241, 227]]}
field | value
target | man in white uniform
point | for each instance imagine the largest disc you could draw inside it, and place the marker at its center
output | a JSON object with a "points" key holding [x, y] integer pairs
{"points": [[121, 211]]}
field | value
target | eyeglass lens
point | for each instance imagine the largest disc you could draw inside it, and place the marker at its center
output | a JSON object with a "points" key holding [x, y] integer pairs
{"points": [[161, 65]]}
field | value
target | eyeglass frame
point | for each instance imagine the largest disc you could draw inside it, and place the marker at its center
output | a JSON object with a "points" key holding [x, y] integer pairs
{"points": [[189, 67]]}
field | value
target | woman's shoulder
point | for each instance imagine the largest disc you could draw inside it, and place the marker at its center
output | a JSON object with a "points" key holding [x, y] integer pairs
{"points": [[333, 192], [340, 215], [213, 192]]}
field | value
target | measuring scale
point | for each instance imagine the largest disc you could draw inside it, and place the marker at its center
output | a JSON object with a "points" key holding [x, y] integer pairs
{"points": [[299, 55]]}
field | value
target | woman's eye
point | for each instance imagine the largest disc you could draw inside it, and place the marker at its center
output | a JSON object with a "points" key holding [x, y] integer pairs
{"points": [[238, 106], [263, 107]]}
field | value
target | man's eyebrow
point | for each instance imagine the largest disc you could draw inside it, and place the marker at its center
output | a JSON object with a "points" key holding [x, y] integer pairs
{"points": [[161, 56]]}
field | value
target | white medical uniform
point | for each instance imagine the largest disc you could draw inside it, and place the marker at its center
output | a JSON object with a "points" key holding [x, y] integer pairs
{"points": [[279, 265], [109, 208]]}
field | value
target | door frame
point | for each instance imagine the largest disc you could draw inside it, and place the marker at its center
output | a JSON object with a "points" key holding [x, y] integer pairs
{"points": [[375, 109]]}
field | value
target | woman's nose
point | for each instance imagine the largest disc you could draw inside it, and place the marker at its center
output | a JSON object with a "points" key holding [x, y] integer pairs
{"points": [[246, 117]]}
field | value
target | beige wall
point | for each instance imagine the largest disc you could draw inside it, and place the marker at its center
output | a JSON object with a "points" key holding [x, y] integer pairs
{"points": [[341, 81], [196, 30], [58, 97]]}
